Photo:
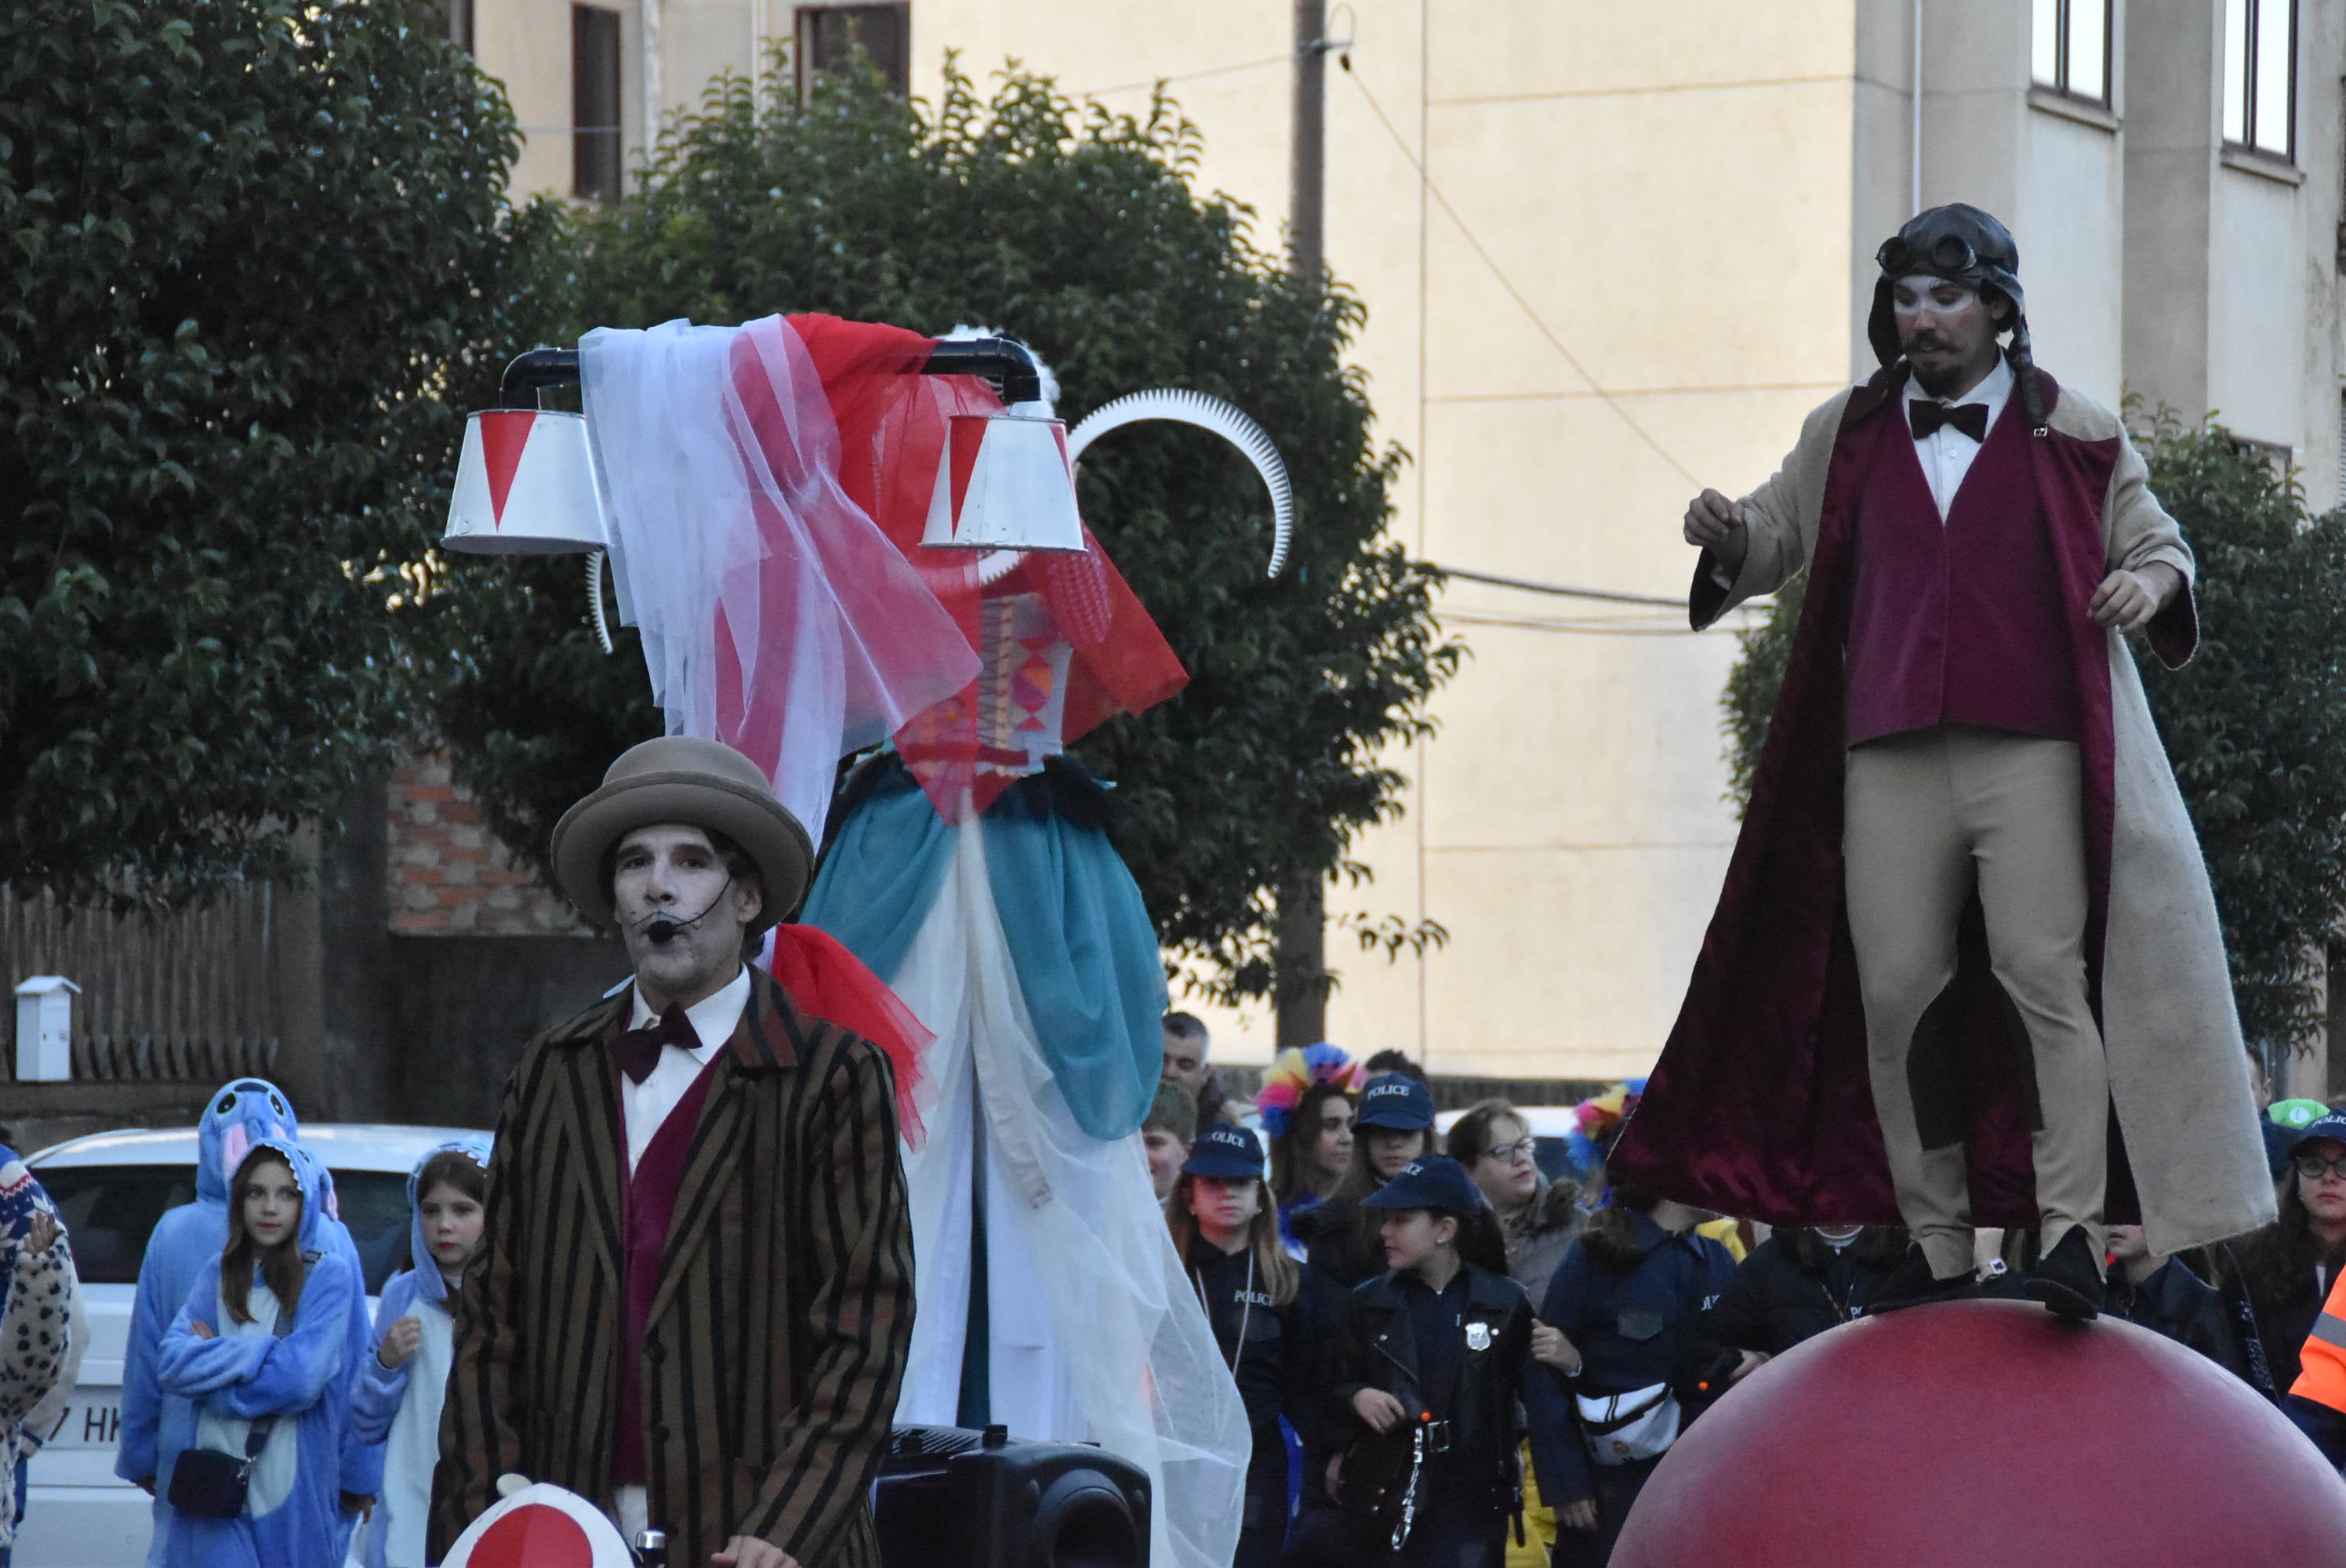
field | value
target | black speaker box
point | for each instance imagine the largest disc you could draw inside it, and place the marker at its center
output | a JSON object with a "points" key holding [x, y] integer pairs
{"points": [[949, 1497]]}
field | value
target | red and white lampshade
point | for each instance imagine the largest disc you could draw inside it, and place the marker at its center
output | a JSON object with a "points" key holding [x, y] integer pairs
{"points": [[540, 1526], [525, 486], [1004, 483]]}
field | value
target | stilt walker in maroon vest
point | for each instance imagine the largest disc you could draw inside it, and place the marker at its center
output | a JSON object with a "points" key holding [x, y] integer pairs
{"points": [[1965, 880]]}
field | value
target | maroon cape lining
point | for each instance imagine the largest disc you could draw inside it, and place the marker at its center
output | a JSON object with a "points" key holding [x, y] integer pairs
{"points": [[1762, 1105]]}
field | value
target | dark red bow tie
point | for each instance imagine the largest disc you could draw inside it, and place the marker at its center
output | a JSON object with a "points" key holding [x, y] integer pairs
{"points": [[1927, 415], [639, 1050]]}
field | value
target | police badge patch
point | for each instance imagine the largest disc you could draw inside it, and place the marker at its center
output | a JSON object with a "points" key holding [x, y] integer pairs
{"points": [[1478, 1336]]}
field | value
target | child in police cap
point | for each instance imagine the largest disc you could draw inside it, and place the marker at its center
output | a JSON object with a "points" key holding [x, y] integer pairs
{"points": [[1226, 1228], [1428, 1368]]}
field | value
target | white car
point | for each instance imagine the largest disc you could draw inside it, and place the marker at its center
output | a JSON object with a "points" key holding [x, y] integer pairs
{"points": [[111, 1188], [1547, 1125]]}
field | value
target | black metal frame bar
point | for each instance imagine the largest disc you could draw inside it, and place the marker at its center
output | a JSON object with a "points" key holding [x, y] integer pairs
{"points": [[1005, 362]]}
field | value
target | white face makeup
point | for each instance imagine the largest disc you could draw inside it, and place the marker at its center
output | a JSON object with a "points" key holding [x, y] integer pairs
{"points": [[1947, 331], [675, 871]]}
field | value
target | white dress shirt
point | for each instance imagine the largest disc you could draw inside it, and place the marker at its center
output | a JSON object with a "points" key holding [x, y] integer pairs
{"points": [[713, 1018], [1946, 452]]}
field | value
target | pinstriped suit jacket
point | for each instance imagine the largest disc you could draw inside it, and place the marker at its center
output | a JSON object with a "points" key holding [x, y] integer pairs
{"points": [[777, 1339]]}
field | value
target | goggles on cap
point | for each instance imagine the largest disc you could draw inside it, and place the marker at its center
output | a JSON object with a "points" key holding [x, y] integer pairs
{"points": [[1949, 256]]}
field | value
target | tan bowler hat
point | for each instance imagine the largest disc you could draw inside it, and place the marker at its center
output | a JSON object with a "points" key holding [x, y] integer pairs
{"points": [[700, 784]]}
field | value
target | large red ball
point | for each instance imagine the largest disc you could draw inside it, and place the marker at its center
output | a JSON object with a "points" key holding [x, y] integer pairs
{"points": [[1987, 1433]]}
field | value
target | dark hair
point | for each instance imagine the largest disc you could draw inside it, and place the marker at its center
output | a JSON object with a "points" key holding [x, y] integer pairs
{"points": [[738, 863], [1360, 1180], [449, 1167], [2276, 1265], [1390, 1060], [1481, 1242], [280, 1265], [1186, 1024], [1610, 1236], [1287, 1177], [1172, 1110]]}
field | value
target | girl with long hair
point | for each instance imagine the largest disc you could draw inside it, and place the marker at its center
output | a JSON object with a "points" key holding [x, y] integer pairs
{"points": [[1226, 1229], [1393, 1126], [2285, 1270], [1623, 1331], [396, 1396], [1306, 1102], [1438, 1345], [262, 1347]]}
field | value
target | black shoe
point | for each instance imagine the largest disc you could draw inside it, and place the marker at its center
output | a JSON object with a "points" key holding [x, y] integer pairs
{"points": [[2067, 1280], [1913, 1285]]}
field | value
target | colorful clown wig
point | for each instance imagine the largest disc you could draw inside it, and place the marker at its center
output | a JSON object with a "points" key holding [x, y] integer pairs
{"points": [[1597, 1123], [1294, 1073]]}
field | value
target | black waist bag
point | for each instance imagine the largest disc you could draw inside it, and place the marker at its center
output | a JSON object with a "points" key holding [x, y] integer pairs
{"points": [[211, 1482]]}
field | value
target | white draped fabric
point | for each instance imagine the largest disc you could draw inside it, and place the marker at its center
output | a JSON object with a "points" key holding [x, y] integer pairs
{"points": [[775, 615], [1095, 1334]]}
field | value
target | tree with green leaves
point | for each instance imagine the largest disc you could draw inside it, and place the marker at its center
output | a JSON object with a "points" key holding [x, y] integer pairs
{"points": [[250, 244], [1080, 232], [2255, 725]]}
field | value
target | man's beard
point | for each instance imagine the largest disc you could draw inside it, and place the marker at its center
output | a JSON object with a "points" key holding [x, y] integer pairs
{"points": [[1947, 378]]}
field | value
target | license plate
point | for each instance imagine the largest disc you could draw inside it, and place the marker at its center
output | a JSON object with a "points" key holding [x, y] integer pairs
{"points": [[92, 1421]]}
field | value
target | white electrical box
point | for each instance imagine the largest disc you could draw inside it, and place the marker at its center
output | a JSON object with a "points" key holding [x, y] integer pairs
{"points": [[45, 1029]]}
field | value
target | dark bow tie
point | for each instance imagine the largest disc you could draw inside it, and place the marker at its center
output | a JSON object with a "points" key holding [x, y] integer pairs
{"points": [[639, 1050], [1927, 415]]}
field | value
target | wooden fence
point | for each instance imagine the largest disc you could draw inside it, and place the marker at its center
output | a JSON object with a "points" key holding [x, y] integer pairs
{"points": [[194, 996]]}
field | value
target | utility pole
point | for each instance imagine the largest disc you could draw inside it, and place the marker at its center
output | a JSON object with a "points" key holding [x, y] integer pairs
{"points": [[1298, 945]]}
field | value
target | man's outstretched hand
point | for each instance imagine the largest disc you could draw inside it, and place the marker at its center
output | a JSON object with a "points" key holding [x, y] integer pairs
{"points": [[2128, 600], [750, 1552], [1715, 523]]}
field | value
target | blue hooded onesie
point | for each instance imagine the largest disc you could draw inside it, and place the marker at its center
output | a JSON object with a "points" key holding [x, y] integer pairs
{"points": [[381, 1408], [156, 1426], [293, 1509]]}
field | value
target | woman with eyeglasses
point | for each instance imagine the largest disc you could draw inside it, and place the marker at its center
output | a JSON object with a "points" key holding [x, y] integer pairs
{"points": [[1538, 1217], [2287, 1268]]}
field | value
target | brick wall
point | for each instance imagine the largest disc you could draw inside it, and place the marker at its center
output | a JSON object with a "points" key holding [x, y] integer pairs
{"points": [[449, 875]]}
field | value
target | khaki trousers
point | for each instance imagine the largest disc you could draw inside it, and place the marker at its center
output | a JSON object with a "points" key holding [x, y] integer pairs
{"points": [[1929, 817]]}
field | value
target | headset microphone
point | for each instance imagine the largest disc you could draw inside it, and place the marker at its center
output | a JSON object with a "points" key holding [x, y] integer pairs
{"points": [[662, 928]]}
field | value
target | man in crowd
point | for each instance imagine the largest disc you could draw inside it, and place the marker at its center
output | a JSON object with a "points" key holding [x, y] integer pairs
{"points": [[1966, 879], [696, 1293], [1187, 1046]]}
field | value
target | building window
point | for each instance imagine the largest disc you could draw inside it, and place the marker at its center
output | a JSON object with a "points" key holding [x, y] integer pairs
{"points": [[594, 103], [2069, 47], [2261, 75], [828, 36], [458, 15]]}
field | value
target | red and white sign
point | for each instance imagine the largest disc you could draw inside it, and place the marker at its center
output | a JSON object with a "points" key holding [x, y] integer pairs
{"points": [[541, 1526]]}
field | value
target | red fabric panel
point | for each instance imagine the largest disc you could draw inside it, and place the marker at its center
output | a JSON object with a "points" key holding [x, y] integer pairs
{"points": [[828, 982]]}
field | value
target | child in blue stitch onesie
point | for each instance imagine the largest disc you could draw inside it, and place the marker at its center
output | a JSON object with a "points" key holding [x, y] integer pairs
{"points": [[226, 1353], [396, 1395]]}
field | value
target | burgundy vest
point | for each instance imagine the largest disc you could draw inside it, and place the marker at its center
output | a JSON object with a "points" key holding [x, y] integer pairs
{"points": [[651, 1202], [1960, 621]]}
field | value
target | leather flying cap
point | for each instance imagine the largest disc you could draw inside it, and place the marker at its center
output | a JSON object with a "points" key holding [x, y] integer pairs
{"points": [[1957, 242], [1226, 1153], [1395, 1100], [1437, 1181]]}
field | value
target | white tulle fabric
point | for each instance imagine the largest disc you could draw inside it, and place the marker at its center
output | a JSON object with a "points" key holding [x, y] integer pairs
{"points": [[775, 615], [1095, 1334]]}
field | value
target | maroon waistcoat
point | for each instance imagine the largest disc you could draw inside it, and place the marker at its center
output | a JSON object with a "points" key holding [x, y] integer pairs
{"points": [[651, 1202], [1960, 621]]}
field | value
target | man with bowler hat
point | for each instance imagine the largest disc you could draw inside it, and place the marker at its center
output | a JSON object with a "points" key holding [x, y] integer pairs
{"points": [[696, 1292], [1965, 966]]}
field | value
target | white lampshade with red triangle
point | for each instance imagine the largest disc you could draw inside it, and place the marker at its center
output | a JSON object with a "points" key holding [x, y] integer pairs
{"points": [[525, 487], [540, 1526], [1004, 483]]}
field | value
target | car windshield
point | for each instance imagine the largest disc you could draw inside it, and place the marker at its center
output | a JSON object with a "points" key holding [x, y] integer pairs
{"points": [[110, 1211]]}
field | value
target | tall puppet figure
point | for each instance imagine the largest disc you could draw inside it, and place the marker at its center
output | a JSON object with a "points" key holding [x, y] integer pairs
{"points": [[1967, 877], [769, 488]]}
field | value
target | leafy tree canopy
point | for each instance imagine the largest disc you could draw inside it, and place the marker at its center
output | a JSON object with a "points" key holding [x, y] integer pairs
{"points": [[247, 244], [1079, 232], [2255, 724]]}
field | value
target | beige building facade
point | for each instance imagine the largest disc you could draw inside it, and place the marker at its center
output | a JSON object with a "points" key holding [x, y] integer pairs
{"points": [[1612, 253]]}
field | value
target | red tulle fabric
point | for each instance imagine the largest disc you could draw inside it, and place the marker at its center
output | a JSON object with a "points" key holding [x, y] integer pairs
{"points": [[892, 427], [829, 982]]}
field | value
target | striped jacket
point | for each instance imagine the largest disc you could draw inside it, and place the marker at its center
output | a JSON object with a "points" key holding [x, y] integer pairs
{"points": [[776, 1338]]}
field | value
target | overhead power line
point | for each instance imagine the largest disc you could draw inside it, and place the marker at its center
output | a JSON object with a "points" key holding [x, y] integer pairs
{"points": [[1560, 590]]}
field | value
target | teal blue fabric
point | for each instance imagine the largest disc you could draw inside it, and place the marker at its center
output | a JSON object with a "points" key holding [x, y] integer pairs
{"points": [[1080, 938]]}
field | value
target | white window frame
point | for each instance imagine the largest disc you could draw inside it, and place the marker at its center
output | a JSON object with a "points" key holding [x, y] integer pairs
{"points": [[2247, 46]]}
